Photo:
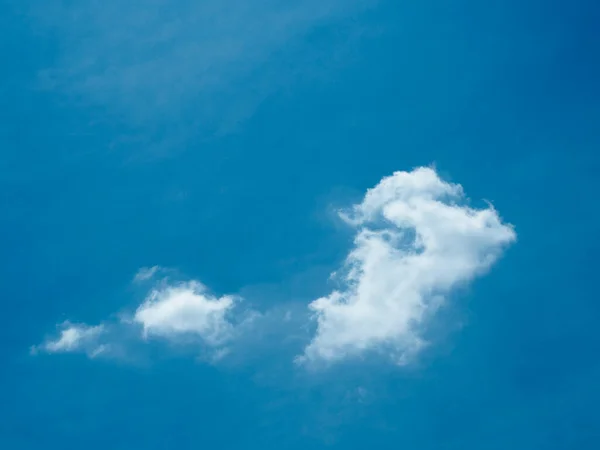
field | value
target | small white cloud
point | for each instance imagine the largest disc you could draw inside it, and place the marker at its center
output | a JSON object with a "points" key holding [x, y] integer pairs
{"points": [[75, 338], [171, 311], [219, 354], [415, 241], [186, 309], [145, 274], [103, 348]]}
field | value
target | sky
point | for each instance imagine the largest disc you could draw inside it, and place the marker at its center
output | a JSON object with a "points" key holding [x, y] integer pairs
{"points": [[299, 224]]}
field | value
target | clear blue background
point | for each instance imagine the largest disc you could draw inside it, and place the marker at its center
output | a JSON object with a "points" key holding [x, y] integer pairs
{"points": [[503, 97]]}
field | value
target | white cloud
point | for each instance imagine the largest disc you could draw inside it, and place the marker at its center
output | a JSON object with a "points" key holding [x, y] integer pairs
{"points": [[171, 311], [186, 309], [145, 274], [75, 338], [415, 241]]}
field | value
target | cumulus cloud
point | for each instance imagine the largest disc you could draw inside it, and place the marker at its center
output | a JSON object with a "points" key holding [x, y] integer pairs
{"points": [[415, 241], [75, 338], [179, 312], [186, 309]]}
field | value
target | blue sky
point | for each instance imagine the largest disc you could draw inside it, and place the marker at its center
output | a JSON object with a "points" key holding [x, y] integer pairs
{"points": [[323, 224]]}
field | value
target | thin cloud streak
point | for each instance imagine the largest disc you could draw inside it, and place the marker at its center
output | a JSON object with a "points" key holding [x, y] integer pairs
{"points": [[161, 60]]}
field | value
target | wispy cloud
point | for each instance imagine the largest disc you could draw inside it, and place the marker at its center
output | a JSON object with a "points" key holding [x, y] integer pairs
{"points": [[415, 241], [75, 338], [145, 274], [162, 60]]}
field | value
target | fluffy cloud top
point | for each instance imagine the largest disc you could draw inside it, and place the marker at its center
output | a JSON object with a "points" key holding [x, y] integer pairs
{"points": [[186, 309], [415, 241]]}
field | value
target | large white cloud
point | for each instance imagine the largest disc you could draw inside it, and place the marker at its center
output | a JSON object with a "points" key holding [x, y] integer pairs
{"points": [[415, 241], [186, 309]]}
